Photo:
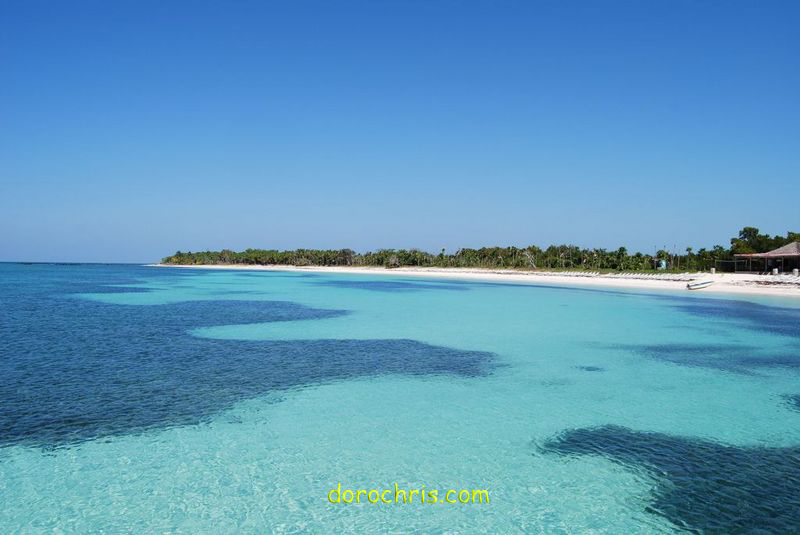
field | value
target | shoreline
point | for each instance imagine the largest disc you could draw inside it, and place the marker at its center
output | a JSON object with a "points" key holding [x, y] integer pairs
{"points": [[724, 283]]}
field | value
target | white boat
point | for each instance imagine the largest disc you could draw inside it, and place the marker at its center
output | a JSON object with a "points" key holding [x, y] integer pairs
{"points": [[699, 285]]}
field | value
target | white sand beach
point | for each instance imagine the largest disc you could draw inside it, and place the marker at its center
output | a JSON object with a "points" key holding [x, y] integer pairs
{"points": [[724, 283]]}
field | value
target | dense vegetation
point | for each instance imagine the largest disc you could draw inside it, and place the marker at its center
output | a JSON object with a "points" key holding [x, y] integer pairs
{"points": [[532, 257]]}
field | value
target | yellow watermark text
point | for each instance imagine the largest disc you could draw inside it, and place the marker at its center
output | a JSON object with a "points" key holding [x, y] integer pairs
{"points": [[398, 495]]}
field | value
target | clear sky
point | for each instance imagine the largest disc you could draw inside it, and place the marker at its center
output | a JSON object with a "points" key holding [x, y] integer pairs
{"points": [[129, 130]]}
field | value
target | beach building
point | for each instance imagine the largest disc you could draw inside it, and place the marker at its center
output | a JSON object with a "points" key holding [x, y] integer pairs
{"points": [[784, 258]]}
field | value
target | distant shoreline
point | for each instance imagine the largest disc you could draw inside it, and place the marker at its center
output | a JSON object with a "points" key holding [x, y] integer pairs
{"points": [[724, 283]]}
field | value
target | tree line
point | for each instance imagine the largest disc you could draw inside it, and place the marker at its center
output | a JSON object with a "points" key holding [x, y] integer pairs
{"points": [[560, 257]]}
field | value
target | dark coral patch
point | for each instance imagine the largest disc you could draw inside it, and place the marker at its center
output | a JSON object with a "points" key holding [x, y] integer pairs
{"points": [[771, 319], [77, 369], [703, 486], [793, 401], [590, 368], [726, 357]]}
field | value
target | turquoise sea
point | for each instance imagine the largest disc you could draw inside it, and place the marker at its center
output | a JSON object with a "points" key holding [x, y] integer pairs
{"points": [[136, 399]]}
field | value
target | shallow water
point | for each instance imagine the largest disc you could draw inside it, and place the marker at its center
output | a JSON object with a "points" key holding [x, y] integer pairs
{"points": [[152, 400]]}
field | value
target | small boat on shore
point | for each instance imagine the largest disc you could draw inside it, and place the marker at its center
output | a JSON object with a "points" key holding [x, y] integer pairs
{"points": [[699, 285]]}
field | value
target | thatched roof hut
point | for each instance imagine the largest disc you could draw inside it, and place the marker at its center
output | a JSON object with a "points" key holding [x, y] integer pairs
{"points": [[784, 258]]}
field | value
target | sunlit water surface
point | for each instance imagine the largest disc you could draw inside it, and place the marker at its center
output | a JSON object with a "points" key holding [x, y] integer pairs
{"points": [[138, 399]]}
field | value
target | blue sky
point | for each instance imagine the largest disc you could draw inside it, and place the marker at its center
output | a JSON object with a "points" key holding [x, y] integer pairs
{"points": [[129, 130]]}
